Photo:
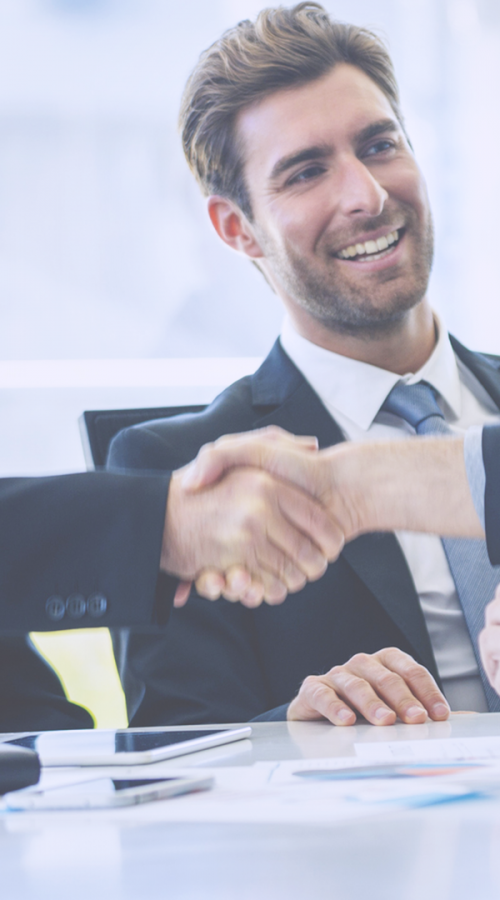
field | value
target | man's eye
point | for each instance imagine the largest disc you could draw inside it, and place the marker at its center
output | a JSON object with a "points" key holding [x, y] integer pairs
{"points": [[379, 147], [306, 174]]}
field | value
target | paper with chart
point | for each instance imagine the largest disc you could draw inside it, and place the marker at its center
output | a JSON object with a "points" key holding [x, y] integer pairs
{"points": [[300, 791], [384, 776]]}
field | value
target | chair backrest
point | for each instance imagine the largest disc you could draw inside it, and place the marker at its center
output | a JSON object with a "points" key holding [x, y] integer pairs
{"points": [[99, 427]]}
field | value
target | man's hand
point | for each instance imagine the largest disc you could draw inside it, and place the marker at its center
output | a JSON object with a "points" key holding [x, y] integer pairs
{"points": [[419, 484], [270, 449], [212, 463], [489, 642], [249, 521], [380, 687]]}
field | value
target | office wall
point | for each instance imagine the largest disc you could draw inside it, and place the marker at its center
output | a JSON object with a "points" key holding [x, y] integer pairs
{"points": [[105, 250]]}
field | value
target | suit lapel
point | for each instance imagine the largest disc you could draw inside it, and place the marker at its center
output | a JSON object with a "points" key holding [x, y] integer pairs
{"points": [[287, 399], [485, 368], [379, 561]]}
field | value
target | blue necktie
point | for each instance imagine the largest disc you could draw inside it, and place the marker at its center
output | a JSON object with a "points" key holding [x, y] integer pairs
{"points": [[475, 578]]}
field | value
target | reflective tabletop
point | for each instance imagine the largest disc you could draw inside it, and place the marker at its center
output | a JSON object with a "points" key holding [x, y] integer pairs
{"points": [[436, 853]]}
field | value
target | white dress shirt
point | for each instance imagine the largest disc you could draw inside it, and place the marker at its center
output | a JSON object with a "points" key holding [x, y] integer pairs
{"points": [[353, 393]]}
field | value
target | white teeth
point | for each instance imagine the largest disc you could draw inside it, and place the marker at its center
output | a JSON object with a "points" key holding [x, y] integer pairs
{"points": [[369, 247]]}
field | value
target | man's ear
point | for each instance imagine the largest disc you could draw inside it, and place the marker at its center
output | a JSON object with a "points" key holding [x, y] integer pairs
{"points": [[232, 226]]}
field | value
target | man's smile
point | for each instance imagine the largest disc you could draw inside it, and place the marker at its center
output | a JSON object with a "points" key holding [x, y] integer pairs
{"points": [[372, 249]]}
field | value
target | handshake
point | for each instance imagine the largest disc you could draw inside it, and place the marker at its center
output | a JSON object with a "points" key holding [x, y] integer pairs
{"points": [[257, 515]]}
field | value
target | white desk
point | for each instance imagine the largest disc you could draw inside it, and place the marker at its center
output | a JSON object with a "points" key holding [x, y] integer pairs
{"points": [[450, 852]]}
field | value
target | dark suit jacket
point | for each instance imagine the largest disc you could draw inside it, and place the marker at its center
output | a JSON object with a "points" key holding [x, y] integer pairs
{"points": [[491, 457], [220, 662], [87, 534]]}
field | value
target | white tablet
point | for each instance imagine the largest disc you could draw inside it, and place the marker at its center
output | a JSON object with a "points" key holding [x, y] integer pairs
{"points": [[88, 747]]}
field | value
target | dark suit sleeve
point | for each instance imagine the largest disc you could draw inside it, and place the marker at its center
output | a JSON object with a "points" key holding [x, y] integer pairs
{"points": [[94, 536], [491, 457]]}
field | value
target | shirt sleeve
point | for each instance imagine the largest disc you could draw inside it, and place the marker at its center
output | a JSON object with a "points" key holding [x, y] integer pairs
{"points": [[474, 464]]}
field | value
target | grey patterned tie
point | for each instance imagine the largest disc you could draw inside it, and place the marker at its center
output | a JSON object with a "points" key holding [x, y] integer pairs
{"points": [[475, 578]]}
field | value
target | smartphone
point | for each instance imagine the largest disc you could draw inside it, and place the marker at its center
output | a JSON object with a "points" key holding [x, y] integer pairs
{"points": [[100, 747], [101, 793]]}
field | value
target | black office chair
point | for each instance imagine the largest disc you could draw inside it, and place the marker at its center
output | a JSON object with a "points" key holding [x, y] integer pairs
{"points": [[98, 427]]}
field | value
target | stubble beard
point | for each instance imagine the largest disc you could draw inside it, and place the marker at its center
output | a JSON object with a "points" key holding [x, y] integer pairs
{"points": [[344, 307]]}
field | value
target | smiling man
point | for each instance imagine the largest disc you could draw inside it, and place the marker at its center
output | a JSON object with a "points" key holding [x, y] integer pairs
{"points": [[293, 129], [340, 225]]}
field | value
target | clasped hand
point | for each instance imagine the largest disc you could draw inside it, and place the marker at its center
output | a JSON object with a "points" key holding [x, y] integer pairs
{"points": [[243, 531]]}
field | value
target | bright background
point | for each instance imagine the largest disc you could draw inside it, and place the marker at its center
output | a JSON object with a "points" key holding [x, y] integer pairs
{"points": [[106, 256]]}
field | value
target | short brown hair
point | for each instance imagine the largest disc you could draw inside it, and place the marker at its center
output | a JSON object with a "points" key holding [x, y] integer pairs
{"points": [[284, 47]]}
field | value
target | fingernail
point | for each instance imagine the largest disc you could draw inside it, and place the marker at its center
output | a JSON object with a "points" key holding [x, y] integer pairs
{"points": [[239, 583], [440, 710], [189, 479], [344, 714], [382, 713], [252, 600], [415, 711]]}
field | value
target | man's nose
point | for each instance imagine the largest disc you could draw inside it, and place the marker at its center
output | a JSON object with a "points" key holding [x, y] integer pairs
{"points": [[359, 191]]}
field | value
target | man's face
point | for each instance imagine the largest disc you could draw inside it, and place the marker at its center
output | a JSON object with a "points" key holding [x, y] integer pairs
{"points": [[340, 209]]}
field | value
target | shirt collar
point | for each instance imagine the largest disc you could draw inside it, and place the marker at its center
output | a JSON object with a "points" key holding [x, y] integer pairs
{"points": [[356, 389]]}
